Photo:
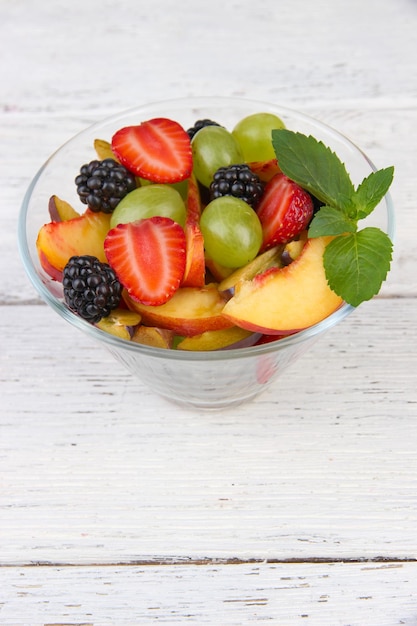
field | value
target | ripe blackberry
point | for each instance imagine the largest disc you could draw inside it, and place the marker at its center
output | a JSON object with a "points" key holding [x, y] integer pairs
{"points": [[91, 288], [239, 181], [199, 124], [102, 184]]}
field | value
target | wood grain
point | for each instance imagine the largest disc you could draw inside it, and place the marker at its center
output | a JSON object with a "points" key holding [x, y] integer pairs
{"points": [[327, 594], [322, 465]]}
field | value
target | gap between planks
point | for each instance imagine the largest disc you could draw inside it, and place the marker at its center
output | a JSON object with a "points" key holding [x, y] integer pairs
{"points": [[388, 561]]}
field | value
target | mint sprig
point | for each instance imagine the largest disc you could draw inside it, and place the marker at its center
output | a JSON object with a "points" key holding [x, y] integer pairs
{"points": [[356, 262]]}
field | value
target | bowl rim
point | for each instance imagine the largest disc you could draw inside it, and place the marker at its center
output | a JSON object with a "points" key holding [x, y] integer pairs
{"points": [[184, 355]]}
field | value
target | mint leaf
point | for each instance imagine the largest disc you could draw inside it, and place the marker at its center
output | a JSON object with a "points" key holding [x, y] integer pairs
{"points": [[371, 191], [330, 221], [314, 167], [357, 264]]}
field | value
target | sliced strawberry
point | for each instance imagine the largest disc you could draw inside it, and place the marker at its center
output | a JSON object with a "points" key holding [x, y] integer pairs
{"points": [[148, 257], [285, 210], [158, 150]]}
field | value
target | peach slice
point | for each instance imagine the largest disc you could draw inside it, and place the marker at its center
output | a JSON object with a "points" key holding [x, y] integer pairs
{"points": [[58, 241], [52, 271], [152, 336], [190, 311], [119, 323], [103, 150], [265, 170], [215, 339], [195, 266], [219, 272], [262, 262], [285, 300], [293, 249], [60, 210]]}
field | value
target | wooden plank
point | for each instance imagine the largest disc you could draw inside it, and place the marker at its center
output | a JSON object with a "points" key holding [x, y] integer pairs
{"points": [[333, 51], [97, 469], [354, 594]]}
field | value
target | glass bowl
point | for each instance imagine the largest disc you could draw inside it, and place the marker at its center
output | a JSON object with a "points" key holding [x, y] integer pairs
{"points": [[210, 379]]}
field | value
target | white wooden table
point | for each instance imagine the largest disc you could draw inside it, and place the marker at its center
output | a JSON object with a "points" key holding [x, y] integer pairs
{"points": [[118, 508]]}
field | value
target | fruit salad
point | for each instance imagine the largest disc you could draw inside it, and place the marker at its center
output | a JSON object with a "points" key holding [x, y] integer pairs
{"points": [[209, 238]]}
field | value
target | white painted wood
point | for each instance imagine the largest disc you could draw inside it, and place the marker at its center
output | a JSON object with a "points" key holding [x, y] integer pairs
{"points": [[337, 594], [92, 56], [95, 471]]}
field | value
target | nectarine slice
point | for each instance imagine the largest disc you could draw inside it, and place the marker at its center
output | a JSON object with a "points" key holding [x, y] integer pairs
{"points": [[58, 241], [155, 337], [195, 266], [288, 299], [61, 210], [262, 262], [215, 339], [103, 149], [190, 311], [119, 323]]}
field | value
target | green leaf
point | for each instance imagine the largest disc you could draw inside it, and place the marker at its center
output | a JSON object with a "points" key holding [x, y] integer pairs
{"points": [[314, 167], [330, 221], [371, 191], [357, 264]]}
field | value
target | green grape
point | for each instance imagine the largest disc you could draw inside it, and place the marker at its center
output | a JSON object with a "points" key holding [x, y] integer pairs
{"points": [[213, 147], [181, 186], [150, 201], [232, 231], [253, 133]]}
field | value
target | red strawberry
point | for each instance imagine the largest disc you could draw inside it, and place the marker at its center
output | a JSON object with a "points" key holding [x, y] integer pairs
{"points": [[158, 150], [285, 210], [148, 257]]}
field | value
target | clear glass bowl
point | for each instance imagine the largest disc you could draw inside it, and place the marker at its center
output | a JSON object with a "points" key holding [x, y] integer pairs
{"points": [[213, 379]]}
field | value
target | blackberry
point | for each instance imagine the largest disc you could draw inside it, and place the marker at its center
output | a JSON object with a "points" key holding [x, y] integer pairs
{"points": [[102, 184], [91, 288], [239, 181], [199, 124]]}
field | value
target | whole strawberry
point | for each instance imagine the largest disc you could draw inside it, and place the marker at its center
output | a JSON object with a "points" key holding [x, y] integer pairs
{"points": [[284, 211]]}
